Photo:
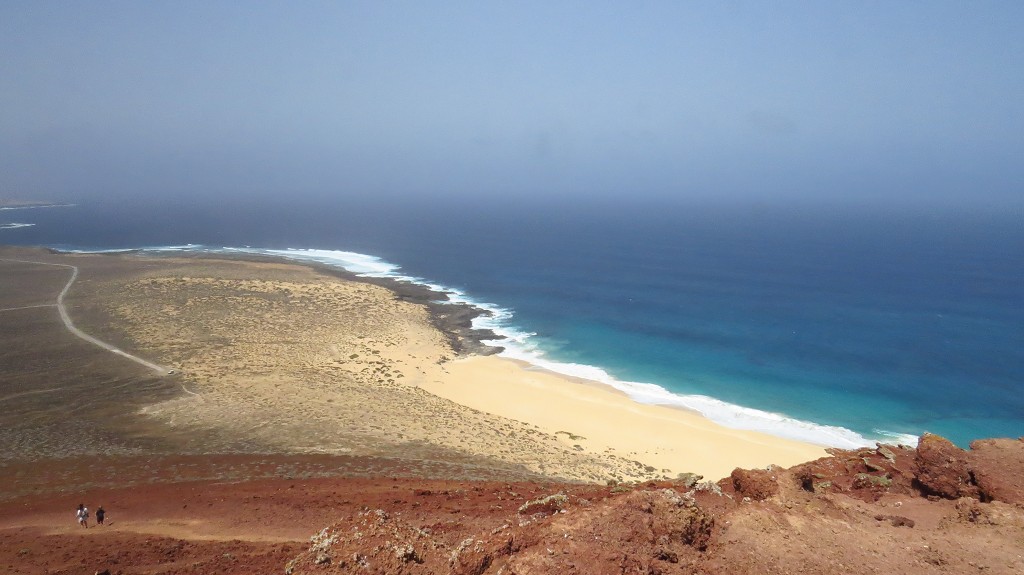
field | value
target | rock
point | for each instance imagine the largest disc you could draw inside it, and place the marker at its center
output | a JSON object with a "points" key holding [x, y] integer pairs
{"points": [[471, 557], [407, 554], [757, 484], [868, 481], [995, 513], [871, 466], [886, 453], [997, 466], [697, 527], [896, 520], [689, 480], [943, 469], [811, 480], [373, 542], [709, 487], [550, 504], [900, 521], [665, 555]]}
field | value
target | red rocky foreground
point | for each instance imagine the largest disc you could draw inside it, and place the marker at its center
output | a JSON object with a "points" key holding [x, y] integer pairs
{"points": [[933, 509]]}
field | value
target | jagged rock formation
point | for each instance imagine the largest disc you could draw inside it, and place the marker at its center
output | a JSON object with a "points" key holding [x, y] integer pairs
{"points": [[933, 509], [888, 509], [997, 468], [943, 469]]}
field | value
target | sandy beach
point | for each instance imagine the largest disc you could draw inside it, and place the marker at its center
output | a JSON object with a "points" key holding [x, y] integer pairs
{"points": [[595, 418], [277, 357]]}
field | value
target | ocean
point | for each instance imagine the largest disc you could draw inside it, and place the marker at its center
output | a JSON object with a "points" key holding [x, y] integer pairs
{"points": [[837, 325]]}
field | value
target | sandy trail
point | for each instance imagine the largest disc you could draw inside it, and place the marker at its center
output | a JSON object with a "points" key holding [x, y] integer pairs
{"points": [[71, 326]]}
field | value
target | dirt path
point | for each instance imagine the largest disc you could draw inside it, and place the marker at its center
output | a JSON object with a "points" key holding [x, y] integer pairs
{"points": [[215, 526], [29, 307], [79, 333]]}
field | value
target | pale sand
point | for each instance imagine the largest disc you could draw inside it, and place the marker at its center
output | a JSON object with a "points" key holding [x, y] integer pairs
{"points": [[280, 357], [602, 420]]}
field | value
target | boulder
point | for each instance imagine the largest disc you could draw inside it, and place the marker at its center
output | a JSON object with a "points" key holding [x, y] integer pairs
{"points": [[757, 484], [997, 467], [942, 469], [546, 505]]}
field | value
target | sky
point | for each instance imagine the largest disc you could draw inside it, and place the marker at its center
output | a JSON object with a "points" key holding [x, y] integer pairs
{"points": [[915, 102]]}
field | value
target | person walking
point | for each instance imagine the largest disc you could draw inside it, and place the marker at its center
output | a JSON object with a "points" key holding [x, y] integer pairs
{"points": [[83, 515], [100, 513]]}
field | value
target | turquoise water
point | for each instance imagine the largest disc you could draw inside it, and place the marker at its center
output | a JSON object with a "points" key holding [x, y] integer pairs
{"points": [[840, 326]]}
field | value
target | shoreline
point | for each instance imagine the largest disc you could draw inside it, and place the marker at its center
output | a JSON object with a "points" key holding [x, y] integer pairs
{"points": [[593, 417], [523, 391], [455, 320], [547, 422], [476, 340]]}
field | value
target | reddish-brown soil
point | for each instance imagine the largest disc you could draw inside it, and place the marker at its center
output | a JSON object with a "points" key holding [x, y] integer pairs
{"points": [[166, 515], [862, 511]]}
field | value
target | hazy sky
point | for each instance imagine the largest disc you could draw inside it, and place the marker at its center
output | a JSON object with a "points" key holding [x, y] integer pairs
{"points": [[765, 101]]}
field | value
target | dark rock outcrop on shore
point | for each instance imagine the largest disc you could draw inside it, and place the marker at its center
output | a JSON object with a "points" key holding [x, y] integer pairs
{"points": [[931, 509], [455, 320]]}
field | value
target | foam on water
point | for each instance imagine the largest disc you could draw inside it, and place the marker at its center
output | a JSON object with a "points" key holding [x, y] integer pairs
{"points": [[359, 264], [182, 248], [14, 225], [5, 208], [723, 413]]}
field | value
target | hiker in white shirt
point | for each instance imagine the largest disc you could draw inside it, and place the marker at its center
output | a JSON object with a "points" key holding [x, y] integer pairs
{"points": [[83, 515]]}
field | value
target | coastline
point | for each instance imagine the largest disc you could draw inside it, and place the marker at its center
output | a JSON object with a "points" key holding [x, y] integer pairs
{"points": [[485, 329], [392, 370], [590, 414], [597, 418], [586, 415], [453, 319]]}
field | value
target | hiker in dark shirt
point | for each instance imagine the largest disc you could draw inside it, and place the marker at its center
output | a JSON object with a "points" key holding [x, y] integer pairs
{"points": [[99, 515]]}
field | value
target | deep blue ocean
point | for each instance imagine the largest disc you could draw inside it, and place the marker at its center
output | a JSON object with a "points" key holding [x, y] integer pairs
{"points": [[835, 324]]}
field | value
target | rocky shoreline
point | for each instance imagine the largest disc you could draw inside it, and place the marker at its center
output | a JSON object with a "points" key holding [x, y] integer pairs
{"points": [[455, 320]]}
